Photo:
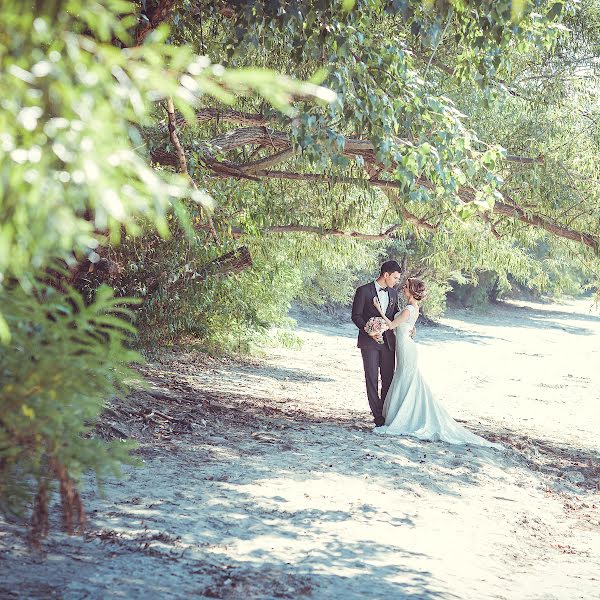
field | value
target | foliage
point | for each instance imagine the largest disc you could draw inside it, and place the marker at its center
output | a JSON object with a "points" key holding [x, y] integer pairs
{"points": [[432, 87], [476, 294], [460, 134], [546, 106], [370, 57], [48, 411], [74, 174], [76, 94], [230, 311]]}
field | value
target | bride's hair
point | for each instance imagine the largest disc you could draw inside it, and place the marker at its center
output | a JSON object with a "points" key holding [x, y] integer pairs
{"points": [[417, 288]]}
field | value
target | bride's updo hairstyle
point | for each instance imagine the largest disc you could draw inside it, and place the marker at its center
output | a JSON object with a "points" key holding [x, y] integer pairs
{"points": [[417, 288]]}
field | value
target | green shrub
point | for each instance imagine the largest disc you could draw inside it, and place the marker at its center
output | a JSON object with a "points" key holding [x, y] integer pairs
{"points": [[74, 176], [477, 293], [64, 360]]}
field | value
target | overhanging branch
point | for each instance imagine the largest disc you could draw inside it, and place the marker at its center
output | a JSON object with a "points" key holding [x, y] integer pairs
{"points": [[280, 141], [515, 212], [237, 232], [507, 209], [501, 208], [257, 132]]}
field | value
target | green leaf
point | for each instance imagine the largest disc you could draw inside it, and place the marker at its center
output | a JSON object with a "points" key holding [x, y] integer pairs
{"points": [[5, 336]]}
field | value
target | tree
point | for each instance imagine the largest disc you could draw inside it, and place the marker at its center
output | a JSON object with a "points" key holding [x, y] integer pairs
{"points": [[390, 128], [71, 175], [130, 158], [393, 158]]}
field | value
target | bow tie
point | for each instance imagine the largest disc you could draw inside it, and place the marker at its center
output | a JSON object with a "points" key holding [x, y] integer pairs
{"points": [[383, 289]]}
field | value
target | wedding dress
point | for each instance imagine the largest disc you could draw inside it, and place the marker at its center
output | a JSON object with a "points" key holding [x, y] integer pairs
{"points": [[410, 408]]}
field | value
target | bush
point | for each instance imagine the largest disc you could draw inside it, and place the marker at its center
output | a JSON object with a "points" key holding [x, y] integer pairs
{"points": [[74, 178], [478, 293], [62, 363]]}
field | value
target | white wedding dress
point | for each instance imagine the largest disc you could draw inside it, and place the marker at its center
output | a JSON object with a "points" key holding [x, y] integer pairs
{"points": [[410, 408]]}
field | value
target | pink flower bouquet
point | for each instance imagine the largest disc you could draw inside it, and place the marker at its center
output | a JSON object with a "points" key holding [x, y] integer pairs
{"points": [[376, 325]]}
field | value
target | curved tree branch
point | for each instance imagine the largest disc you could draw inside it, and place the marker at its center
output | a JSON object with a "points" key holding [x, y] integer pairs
{"points": [[279, 140], [515, 212], [269, 161], [237, 232], [182, 162], [261, 136]]}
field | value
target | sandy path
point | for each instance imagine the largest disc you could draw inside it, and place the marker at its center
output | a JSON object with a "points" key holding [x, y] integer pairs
{"points": [[280, 490]]}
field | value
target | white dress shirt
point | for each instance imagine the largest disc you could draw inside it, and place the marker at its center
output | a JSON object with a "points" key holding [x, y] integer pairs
{"points": [[383, 295]]}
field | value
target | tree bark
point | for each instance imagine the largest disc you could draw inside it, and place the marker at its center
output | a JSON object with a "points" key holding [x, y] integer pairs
{"points": [[224, 115], [158, 12], [182, 163]]}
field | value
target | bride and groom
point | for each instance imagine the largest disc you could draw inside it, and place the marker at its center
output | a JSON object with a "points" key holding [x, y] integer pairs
{"points": [[406, 405]]}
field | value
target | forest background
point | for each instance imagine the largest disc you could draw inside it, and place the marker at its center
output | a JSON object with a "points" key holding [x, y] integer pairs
{"points": [[186, 170]]}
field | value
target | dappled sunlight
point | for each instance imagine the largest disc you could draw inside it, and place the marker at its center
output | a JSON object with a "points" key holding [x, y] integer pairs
{"points": [[190, 193], [281, 484]]}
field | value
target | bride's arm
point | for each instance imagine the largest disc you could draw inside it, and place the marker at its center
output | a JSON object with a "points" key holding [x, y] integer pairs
{"points": [[401, 318]]}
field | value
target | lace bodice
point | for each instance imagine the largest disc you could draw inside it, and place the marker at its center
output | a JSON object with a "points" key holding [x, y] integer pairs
{"points": [[412, 317]]}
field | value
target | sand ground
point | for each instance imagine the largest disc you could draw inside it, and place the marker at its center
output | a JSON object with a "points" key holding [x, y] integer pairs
{"points": [[263, 478]]}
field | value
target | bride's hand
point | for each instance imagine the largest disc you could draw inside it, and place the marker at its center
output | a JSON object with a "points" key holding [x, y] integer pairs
{"points": [[376, 302]]}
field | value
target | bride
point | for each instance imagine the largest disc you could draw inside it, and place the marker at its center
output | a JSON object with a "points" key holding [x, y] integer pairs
{"points": [[410, 408]]}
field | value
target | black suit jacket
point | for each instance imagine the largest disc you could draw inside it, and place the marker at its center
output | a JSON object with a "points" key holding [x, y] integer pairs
{"points": [[363, 309]]}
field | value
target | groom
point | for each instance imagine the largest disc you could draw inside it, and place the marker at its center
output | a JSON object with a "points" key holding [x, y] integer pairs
{"points": [[377, 358]]}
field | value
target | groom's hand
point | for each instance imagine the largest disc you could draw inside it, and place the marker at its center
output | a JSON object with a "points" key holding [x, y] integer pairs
{"points": [[413, 332], [375, 336]]}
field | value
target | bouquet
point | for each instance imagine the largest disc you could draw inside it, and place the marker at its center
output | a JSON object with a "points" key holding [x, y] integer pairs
{"points": [[376, 325]]}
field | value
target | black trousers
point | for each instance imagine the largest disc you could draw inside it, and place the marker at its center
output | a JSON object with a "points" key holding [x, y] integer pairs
{"points": [[376, 361]]}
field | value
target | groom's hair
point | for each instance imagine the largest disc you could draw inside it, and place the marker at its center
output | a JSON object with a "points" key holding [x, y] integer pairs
{"points": [[389, 266]]}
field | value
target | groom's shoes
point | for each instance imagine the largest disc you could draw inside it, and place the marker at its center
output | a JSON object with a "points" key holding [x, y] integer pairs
{"points": [[379, 422]]}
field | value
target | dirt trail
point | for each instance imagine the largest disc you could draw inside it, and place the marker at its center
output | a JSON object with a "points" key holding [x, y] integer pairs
{"points": [[264, 480]]}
